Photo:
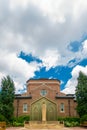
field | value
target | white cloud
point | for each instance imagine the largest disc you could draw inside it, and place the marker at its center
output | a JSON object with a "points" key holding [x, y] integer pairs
{"points": [[43, 28], [72, 83], [1, 75], [62, 82], [36, 32], [18, 3], [50, 59], [84, 51], [17, 68]]}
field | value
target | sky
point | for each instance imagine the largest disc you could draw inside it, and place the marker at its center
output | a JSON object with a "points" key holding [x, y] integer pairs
{"points": [[43, 39]]}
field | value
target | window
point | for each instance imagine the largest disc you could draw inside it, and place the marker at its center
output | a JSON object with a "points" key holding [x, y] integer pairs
{"points": [[62, 107], [25, 107], [43, 92]]}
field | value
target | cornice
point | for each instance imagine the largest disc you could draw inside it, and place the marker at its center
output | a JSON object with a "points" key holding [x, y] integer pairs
{"points": [[23, 97], [43, 82]]}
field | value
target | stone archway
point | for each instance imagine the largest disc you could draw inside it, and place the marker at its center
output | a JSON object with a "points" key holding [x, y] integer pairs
{"points": [[36, 110]]}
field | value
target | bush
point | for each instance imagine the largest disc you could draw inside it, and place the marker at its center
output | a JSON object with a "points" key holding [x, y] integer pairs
{"points": [[67, 124], [16, 124], [70, 121], [2, 118], [71, 124], [20, 120], [61, 118], [83, 118]]}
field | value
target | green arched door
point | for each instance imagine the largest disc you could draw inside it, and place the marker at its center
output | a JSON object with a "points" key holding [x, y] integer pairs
{"points": [[36, 110]]}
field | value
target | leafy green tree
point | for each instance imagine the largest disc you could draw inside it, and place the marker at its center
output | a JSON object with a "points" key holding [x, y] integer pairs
{"points": [[7, 95], [81, 94]]}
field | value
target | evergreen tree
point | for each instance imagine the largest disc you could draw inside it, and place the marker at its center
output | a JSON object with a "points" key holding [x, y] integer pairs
{"points": [[7, 95], [81, 94]]}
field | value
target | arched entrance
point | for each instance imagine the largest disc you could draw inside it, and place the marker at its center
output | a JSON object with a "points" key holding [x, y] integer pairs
{"points": [[36, 110]]}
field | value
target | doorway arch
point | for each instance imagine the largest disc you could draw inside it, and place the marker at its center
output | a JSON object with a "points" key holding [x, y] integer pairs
{"points": [[36, 110]]}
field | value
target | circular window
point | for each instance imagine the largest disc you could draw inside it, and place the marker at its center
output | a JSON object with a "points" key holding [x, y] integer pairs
{"points": [[43, 92]]}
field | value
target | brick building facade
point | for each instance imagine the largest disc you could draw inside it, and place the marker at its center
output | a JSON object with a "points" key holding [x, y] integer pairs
{"points": [[46, 91]]}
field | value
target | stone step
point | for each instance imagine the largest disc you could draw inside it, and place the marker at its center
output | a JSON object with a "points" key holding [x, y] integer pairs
{"points": [[46, 122], [41, 125]]}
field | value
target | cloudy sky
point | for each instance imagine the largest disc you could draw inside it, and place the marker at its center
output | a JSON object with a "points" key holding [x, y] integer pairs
{"points": [[43, 39]]}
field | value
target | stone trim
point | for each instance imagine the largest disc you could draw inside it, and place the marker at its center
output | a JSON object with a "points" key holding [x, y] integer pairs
{"points": [[43, 85], [42, 82], [43, 98]]}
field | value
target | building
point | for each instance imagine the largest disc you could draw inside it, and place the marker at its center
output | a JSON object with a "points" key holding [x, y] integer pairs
{"points": [[44, 91]]}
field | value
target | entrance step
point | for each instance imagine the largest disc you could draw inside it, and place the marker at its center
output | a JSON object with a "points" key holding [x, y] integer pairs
{"points": [[43, 125]]}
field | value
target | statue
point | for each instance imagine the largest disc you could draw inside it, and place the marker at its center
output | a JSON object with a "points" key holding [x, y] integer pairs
{"points": [[43, 111]]}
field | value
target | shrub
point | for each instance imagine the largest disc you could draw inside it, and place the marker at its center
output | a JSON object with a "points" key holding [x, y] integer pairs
{"points": [[71, 124], [61, 118], [83, 118], [70, 121], [20, 120], [2, 118], [16, 124], [67, 124]]}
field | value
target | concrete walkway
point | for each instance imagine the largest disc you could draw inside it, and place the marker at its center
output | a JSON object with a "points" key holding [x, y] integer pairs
{"points": [[64, 128]]}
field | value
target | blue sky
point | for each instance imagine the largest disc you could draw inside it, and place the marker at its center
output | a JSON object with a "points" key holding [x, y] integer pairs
{"points": [[43, 39]]}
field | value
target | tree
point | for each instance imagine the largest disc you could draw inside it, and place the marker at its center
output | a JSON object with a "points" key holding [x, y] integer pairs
{"points": [[7, 95], [81, 94]]}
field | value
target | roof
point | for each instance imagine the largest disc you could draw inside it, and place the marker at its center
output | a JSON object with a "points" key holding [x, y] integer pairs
{"points": [[19, 96], [43, 80], [64, 96]]}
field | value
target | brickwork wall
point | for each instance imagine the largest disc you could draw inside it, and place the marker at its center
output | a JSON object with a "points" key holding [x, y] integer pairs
{"points": [[69, 110], [36, 94], [19, 105], [34, 87]]}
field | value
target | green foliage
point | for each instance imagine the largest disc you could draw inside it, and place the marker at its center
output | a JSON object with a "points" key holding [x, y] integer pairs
{"points": [[61, 118], [17, 124], [7, 95], [71, 124], [81, 94], [2, 118], [67, 124], [70, 121], [83, 118], [20, 120]]}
